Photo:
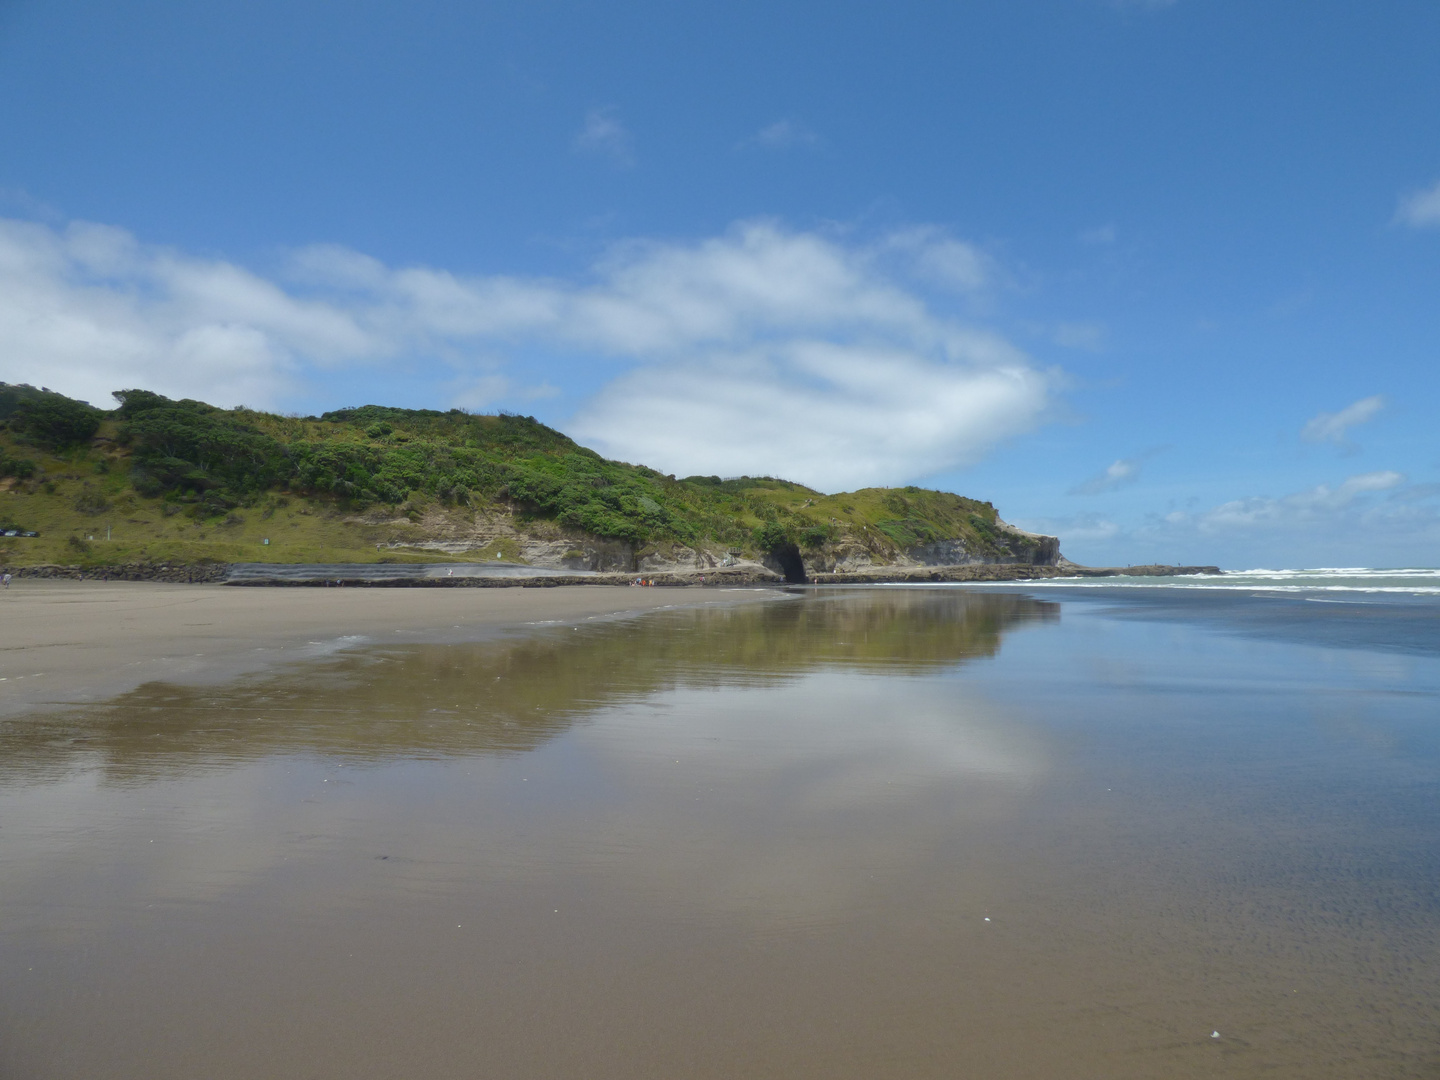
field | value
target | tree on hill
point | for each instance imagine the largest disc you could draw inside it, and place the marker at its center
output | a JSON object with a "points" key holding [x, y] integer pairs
{"points": [[55, 422]]}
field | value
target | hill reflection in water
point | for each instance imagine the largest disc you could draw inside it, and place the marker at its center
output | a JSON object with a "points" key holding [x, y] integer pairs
{"points": [[512, 694]]}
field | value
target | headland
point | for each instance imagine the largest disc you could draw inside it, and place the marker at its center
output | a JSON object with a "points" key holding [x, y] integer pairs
{"points": [[182, 491]]}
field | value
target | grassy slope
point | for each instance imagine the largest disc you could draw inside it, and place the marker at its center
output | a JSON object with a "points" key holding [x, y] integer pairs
{"points": [[375, 475]]}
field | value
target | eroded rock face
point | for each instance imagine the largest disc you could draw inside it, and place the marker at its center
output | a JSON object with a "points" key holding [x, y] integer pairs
{"points": [[571, 554], [1012, 547], [549, 547], [1042, 550], [673, 557], [1016, 546], [942, 553], [846, 556], [562, 554]]}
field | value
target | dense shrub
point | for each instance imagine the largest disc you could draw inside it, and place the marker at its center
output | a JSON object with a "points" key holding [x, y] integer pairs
{"points": [[772, 535], [20, 468], [207, 461], [56, 422]]}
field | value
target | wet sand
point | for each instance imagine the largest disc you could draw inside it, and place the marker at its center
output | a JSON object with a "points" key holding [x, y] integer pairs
{"points": [[889, 833], [67, 643]]}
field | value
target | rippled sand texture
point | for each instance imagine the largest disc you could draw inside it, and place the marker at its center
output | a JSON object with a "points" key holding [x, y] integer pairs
{"points": [[875, 834]]}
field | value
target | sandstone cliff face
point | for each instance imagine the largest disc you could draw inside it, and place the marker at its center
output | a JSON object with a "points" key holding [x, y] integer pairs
{"points": [[497, 537], [1010, 547], [1027, 549], [576, 553]]}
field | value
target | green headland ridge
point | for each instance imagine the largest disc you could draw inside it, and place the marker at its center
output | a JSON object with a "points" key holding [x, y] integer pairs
{"points": [[162, 488]]}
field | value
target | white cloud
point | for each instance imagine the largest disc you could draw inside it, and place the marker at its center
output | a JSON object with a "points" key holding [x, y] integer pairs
{"points": [[783, 134], [1420, 209], [87, 310], [830, 415], [789, 354], [763, 350], [1304, 508], [1118, 475], [1335, 427], [935, 257], [604, 134], [758, 279]]}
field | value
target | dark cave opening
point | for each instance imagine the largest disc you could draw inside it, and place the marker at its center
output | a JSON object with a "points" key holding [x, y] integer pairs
{"points": [[791, 565]]}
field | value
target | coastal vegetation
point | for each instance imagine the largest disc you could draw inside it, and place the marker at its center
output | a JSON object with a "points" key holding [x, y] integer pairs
{"points": [[155, 479]]}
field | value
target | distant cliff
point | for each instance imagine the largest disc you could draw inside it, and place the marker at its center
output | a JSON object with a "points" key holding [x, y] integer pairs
{"points": [[156, 481]]}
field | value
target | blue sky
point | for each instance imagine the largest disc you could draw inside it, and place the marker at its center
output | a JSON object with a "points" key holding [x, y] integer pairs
{"points": [[1158, 277]]}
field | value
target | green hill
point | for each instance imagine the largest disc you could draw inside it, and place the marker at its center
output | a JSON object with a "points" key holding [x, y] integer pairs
{"points": [[156, 480]]}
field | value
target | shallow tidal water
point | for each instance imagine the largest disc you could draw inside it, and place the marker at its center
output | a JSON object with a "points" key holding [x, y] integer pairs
{"points": [[863, 833]]}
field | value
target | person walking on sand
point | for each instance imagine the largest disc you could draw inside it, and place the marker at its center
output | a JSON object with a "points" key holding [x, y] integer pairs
{"points": [[6, 580]]}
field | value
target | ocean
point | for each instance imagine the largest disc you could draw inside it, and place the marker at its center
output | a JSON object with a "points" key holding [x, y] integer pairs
{"points": [[1352, 579]]}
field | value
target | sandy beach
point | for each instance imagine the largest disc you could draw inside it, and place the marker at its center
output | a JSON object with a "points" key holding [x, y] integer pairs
{"points": [[858, 834], [65, 643]]}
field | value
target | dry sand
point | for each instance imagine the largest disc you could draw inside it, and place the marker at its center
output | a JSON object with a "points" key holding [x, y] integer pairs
{"points": [[66, 643]]}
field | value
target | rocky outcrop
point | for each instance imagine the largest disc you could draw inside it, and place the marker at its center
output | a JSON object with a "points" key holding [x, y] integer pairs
{"points": [[1009, 546], [179, 574], [434, 576], [586, 554], [679, 558], [496, 535]]}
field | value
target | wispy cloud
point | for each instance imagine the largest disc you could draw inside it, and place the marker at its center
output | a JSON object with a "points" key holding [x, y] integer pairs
{"points": [[1420, 209], [1100, 236], [784, 134], [1319, 504], [1416, 493], [1088, 336], [1335, 427], [1121, 473], [1376, 518], [1083, 528], [19, 201], [604, 135], [762, 350], [934, 256]]}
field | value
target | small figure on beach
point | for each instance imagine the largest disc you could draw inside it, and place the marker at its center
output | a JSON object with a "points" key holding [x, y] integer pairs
{"points": [[5, 580]]}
